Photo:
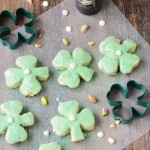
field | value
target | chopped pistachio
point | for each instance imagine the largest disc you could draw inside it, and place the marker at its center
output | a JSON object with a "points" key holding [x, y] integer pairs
{"points": [[65, 41], [105, 112], [91, 43], [44, 100], [92, 98], [40, 33], [112, 126], [38, 45], [84, 28]]}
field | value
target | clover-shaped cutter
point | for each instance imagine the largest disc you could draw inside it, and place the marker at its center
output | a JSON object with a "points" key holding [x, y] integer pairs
{"points": [[5, 30], [117, 104]]}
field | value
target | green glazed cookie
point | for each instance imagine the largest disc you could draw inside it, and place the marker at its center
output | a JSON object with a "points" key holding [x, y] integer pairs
{"points": [[50, 146], [73, 67], [72, 121], [12, 123], [118, 56], [26, 76]]}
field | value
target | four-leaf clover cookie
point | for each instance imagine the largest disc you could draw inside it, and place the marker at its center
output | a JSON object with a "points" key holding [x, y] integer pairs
{"points": [[12, 123], [73, 122], [26, 76], [50, 146], [73, 67], [118, 55]]}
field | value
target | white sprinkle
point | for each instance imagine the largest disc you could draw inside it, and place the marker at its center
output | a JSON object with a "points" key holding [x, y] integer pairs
{"points": [[26, 71], [57, 99], [10, 120], [73, 65], [111, 140], [118, 53], [117, 122], [46, 133], [65, 12], [102, 23], [68, 29], [72, 118], [45, 3], [100, 134]]}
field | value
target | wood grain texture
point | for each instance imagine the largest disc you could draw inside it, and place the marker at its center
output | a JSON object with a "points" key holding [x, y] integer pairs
{"points": [[137, 12]]}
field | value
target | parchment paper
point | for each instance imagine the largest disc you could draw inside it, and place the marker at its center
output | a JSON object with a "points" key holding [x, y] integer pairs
{"points": [[54, 23]]}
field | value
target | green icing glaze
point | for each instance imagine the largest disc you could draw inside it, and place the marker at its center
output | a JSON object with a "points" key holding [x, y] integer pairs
{"points": [[73, 67], [12, 123], [50, 146], [73, 122], [27, 76], [118, 55]]}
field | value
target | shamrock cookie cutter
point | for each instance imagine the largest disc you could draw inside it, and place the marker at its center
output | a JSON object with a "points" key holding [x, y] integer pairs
{"points": [[117, 104], [5, 30]]}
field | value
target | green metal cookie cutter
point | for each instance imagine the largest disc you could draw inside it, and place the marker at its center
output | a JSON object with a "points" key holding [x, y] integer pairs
{"points": [[5, 30], [117, 104]]}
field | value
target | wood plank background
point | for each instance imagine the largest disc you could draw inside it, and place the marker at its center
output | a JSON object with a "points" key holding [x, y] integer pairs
{"points": [[137, 12]]}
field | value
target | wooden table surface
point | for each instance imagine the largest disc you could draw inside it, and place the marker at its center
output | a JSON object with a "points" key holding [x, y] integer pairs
{"points": [[136, 11]]}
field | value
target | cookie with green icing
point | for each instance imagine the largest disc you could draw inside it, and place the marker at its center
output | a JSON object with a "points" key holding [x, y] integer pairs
{"points": [[72, 121], [27, 76], [73, 67], [50, 146], [118, 56], [12, 123]]}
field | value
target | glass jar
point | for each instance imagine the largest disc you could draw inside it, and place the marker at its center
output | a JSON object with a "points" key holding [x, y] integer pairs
{"points": [[89, 7]]}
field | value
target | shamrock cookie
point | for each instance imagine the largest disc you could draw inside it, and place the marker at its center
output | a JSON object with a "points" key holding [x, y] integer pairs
{"points": [[118, 55], [27, 76], [73, 122], [50, 146], [12, 123], [73, 67]]}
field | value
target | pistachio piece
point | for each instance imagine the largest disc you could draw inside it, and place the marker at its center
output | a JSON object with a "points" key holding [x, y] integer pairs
{"points": [[44, 100], [92, 98], [84, 28], [91, 43], [105, 112], [40, 33], [38, 45], [112, 126], [65, 41]]}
